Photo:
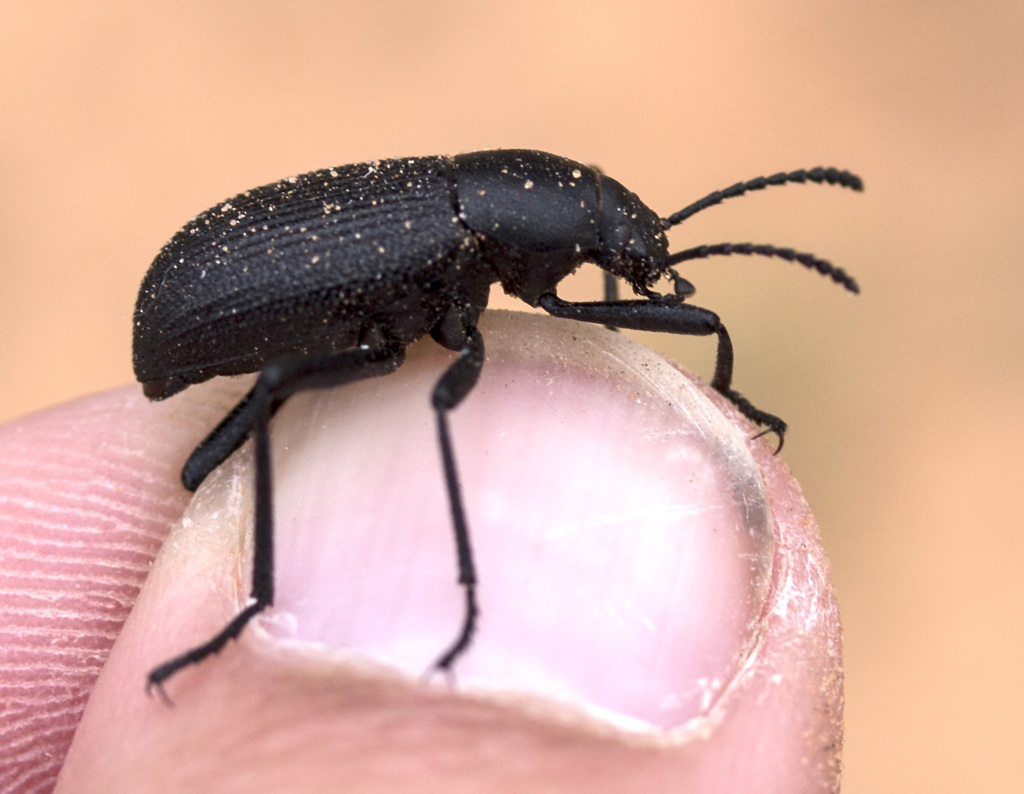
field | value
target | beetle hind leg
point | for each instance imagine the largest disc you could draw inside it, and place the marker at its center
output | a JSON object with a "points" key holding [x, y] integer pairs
{"points": [[277, 382]]}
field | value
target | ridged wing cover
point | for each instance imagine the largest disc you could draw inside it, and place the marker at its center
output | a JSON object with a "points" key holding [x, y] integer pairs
{"points": [[300, 265]]}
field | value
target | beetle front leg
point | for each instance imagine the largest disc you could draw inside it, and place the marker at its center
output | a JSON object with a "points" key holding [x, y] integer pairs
{"points": [[457, 381], [251, 416], [673, 317]]}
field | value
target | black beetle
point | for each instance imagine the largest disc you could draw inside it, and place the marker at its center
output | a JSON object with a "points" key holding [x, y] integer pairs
{"points": [[326, 278]]}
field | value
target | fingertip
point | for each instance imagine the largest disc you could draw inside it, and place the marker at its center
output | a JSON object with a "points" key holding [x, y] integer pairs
{"points": [[655, 601]]}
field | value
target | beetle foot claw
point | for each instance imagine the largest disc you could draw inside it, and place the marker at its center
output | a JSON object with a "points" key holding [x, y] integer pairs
{"points": [[445, 671], [780, 431], [770, 422], [152, 683]]}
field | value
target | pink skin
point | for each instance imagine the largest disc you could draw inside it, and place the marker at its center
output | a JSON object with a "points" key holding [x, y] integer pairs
{"points": [[656, 613]]}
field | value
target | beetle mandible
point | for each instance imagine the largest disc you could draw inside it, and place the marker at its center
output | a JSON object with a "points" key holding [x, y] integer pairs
{"points": [[325, 278]]}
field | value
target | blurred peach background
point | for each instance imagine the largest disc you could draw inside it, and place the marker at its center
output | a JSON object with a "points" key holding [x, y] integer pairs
{"points": [[122, 120]]}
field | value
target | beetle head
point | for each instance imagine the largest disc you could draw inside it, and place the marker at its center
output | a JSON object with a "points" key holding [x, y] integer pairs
{"points": [[633, 243]]}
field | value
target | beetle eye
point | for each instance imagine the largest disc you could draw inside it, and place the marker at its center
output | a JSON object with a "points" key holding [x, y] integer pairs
{"points": [[620, 238]]}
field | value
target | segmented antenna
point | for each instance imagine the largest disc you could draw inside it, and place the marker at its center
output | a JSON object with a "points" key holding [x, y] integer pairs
{"points": [[832, 176], [826, 268]]}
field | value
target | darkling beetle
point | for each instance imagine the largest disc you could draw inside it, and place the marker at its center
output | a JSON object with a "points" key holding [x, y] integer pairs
{"points": [[325, 278]]}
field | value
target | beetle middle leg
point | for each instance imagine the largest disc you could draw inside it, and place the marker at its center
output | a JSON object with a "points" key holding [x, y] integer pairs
{"points": [[457, 381], [276, 383], [675, 317]]}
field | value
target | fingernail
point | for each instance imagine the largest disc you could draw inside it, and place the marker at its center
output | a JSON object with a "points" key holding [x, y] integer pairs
{"points": [[621, 532]]}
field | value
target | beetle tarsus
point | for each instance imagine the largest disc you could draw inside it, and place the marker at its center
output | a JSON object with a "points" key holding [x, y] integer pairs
{"points": [[770, 422], [161, 673], [445, 663]]}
